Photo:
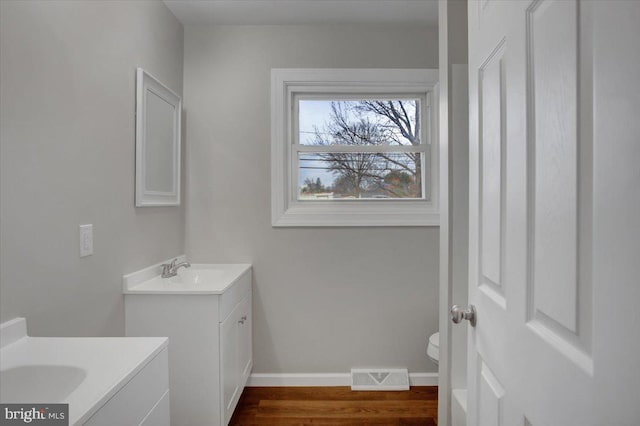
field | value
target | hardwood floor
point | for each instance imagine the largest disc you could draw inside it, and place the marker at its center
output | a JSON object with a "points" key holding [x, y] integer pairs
{"points": [[336, 406]]}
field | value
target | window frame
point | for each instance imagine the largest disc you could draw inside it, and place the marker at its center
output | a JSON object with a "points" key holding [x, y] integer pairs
{"points": [[288, 85]]}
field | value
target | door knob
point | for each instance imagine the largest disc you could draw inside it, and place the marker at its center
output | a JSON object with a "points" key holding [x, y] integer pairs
{"points": [[458, 314]]}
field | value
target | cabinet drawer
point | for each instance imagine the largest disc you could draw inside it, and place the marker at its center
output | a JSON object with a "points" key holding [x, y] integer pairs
{"points": [[238, 291], [138, 397]]}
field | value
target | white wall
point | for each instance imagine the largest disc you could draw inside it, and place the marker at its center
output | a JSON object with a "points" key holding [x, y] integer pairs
{"points": [[67, 89], [325, 299]]}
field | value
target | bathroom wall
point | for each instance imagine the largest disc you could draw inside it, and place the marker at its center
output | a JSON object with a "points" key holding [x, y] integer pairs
{"points": [[325, 299], [67, 89]]}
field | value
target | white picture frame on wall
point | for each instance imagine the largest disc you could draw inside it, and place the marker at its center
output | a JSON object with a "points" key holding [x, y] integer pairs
{"points": [[158, 142]]}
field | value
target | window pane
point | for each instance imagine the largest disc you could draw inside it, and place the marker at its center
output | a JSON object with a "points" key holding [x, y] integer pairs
{"points": [[333, 175], [359, 122]]}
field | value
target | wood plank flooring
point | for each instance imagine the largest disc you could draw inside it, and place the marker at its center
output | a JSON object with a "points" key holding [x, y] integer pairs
{"points": [[336, 406]]}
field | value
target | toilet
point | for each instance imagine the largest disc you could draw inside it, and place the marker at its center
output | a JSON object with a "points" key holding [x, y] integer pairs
{"points": [[433, 348]]}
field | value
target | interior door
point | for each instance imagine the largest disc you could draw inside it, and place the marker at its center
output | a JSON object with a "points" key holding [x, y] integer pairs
{"points": [[554, 212]]}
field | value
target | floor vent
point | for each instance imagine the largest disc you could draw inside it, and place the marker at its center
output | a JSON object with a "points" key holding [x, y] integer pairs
{"points": [[379, 379]]}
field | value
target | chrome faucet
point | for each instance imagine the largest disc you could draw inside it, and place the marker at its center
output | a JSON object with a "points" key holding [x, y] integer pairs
{"points": [[171, 269]]}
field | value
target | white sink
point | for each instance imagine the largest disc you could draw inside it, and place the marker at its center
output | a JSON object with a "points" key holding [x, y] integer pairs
{"points": [[51, 383], [214, 278], [206, 312], [198, 275], [84, 372]]}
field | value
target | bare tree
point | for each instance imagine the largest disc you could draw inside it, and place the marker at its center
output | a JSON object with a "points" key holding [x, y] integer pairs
{"points": [[353, 167], [403, 120], [351, 125]]}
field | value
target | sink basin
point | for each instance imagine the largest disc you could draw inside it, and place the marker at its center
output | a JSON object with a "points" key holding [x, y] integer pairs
{"points": [[196, 276], [84, 372], [51, 383], [214, 278]]}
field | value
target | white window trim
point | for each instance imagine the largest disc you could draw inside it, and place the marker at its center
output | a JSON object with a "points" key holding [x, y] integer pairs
{"points": [[286, 211]]}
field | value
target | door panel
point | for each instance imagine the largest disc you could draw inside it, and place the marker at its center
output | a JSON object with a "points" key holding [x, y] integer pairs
{"points": [[491, 185], [554, 232], [491, 394], [552, 74]]}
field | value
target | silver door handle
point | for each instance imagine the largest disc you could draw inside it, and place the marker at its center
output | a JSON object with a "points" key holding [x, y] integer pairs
{"points": [[458, 314]]}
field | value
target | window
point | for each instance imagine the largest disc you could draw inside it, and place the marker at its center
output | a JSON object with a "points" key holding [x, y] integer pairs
{"points": [[353, 147]]}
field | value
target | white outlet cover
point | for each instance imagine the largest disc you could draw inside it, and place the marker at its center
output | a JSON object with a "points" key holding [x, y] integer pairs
{"points": [[86, 240]]}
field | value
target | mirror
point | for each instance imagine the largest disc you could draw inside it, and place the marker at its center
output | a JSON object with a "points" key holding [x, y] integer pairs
{"points": [[158, 115]]}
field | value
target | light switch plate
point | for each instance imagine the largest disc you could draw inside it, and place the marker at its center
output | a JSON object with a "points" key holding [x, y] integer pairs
{"points": [[86, 240]]}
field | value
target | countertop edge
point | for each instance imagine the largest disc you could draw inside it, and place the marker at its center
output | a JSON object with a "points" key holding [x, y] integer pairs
{"points": [[97, 405], [246, 268]]}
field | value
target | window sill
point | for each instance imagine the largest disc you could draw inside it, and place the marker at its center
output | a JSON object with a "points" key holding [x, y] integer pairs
{"points": [[357, 213]]}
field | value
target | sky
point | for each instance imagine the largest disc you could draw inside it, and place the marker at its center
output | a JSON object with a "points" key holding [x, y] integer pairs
{"points": [[315, 114], [312, 113]]}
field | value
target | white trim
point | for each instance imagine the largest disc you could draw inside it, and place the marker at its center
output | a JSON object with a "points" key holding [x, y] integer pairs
{"points": [[144, 197], [423, 379], [362, 148], [326, 379], [287, 211], [444, 361]]}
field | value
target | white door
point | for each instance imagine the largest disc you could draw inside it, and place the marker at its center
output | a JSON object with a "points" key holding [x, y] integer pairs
{"points": [[554, 213]]}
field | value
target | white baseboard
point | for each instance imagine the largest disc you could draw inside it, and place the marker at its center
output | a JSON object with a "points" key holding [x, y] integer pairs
{"points": [[327, 379], [300, 379], [423, 379]]}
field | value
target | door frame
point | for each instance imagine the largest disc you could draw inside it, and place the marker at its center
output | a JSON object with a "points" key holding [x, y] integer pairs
{"points": [[444, 361], [452, 24]]}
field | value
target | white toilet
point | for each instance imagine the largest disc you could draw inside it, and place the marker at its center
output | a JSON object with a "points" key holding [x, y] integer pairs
{"points": [[433, 348]]}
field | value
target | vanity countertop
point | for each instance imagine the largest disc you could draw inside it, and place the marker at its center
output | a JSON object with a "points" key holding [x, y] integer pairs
{"points": [[198, 279], [95, 367]]}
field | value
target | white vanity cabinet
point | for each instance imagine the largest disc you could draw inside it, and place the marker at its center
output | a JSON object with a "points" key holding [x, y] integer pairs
{"points": [[143, 401], [235, 355], [106, 381], [206, 313]]}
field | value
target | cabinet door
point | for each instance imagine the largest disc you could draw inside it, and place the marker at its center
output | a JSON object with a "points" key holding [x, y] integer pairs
{"points": [[229, 364], [245, 352]]}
